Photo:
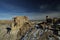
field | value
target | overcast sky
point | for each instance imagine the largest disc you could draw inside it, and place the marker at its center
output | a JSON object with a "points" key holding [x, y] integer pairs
{"points": [[35, 9]]}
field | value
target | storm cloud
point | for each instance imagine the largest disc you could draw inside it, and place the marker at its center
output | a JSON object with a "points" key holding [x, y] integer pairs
{"points": [[32, 8]]}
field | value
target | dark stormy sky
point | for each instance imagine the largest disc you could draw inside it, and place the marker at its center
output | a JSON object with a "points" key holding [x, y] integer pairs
{"points": [[35, 9]]}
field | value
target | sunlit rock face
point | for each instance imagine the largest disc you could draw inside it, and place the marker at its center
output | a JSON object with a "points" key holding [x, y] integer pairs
{"points": [[20, 26]]}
